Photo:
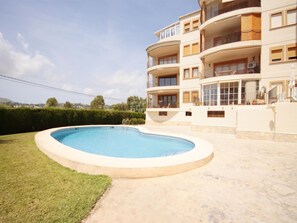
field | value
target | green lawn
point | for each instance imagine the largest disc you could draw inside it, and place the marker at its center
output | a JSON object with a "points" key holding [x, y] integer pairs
{"points": [[34, 188]]}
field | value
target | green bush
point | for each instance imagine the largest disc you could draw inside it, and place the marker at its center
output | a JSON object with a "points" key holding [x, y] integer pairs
{"points": [[133, 121], [17, 120]]}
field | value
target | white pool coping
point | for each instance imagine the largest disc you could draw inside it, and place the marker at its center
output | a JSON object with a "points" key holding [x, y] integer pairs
{"points": [[115, 167]]}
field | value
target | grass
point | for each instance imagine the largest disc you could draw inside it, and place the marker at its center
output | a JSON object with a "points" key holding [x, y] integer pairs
{"points": [[33, 188]]}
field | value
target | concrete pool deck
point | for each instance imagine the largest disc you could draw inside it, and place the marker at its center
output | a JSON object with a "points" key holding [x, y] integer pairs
{"points": [[247, 181]]}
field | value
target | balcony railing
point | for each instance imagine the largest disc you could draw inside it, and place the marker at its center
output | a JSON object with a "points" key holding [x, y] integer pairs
{"points": [[250, 69], [153, 63], [233, 37], [163, 105], [168, 60], [231, 6], [225, 39], [151, 84]]}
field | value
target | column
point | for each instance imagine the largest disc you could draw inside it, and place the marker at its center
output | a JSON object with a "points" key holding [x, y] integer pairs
{"points": [[239, 91]]}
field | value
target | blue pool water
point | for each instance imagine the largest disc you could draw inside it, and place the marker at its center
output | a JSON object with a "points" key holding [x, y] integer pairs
{"points": [[121, 142]]}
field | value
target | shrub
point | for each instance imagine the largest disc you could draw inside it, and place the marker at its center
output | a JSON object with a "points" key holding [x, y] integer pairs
{"points": [[17, 120], [133, 121]]}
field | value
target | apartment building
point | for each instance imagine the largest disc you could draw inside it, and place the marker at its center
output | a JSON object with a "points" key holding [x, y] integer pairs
{"points": [[226, 58]]}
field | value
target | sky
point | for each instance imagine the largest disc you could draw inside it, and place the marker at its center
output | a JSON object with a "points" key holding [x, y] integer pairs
{"points": [[95, 47]]}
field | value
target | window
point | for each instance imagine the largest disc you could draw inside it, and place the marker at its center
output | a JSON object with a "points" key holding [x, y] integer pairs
{"points": [[187, 50], [195, 24], [291, 17], [276, 55], [215, 114], [210, 94], [188, 113], [208, 12], [195, 72], [215, 9], [229, 93], [162, 113], [167, 81], [283, 18], [186, 97], [187, 27], [177, 28], [167, 33], [195, 48], [186, 73], [167, 101], [212, 9], [171, 31], [276, 20], [292, 52], [168, 60], [194, 98], [162, 36], [230, 67]]}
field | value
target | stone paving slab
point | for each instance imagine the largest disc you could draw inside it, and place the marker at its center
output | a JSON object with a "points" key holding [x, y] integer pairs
{"points": [[247, 181]]}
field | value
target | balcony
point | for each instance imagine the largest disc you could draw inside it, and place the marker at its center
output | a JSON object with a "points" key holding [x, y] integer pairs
{"points": [[239, 67], [163, 84], [225, 39], [163, 101], [237, 31], [216, 8], [228, 48], [155, 61], [160, 49]]}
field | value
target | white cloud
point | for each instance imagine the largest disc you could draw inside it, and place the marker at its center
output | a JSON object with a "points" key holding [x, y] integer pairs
{"points": [[122, 84], [23, 41], [88, 91], [16, 63], [68, 87], [111, 93]]}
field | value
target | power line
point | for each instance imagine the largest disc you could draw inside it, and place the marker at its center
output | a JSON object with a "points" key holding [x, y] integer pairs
{"points": [[29, 83]]}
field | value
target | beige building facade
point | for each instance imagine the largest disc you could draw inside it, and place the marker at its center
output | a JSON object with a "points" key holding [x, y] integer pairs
{"points": [[224, 66]]}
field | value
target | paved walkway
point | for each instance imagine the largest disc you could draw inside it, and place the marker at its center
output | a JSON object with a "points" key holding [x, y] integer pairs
{"points": [[247, 181]]}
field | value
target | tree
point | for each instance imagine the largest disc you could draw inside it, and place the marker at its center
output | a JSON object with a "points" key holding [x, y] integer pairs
{"points": [[98, 102], [136, 103], [120, 107], [67, 104], [51, 102]]}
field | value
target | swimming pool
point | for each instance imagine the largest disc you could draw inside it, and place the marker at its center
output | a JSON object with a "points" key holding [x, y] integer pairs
{"points": [[123, 167], [124, 142]]}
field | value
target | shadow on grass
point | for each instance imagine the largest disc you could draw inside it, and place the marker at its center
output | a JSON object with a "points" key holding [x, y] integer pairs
{"points": [[7, 141]]}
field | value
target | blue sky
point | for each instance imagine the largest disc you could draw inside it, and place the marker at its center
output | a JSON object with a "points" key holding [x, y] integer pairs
{"points": [[91, 46]]}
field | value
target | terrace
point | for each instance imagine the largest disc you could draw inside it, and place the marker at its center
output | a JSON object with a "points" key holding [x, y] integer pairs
{"points": [[268, 196]]}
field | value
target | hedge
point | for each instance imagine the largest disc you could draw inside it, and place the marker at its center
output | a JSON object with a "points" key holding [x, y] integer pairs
{"points": [[18, 120]]}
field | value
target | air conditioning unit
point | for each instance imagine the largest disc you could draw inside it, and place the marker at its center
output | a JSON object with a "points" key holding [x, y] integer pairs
{"points": [[251, 67]]}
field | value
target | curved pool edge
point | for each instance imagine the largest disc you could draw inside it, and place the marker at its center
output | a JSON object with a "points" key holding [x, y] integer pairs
{"points": [[94, 164]]}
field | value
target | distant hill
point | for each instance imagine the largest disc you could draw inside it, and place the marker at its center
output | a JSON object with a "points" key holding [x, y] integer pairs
{"points": [[5, 101]]}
